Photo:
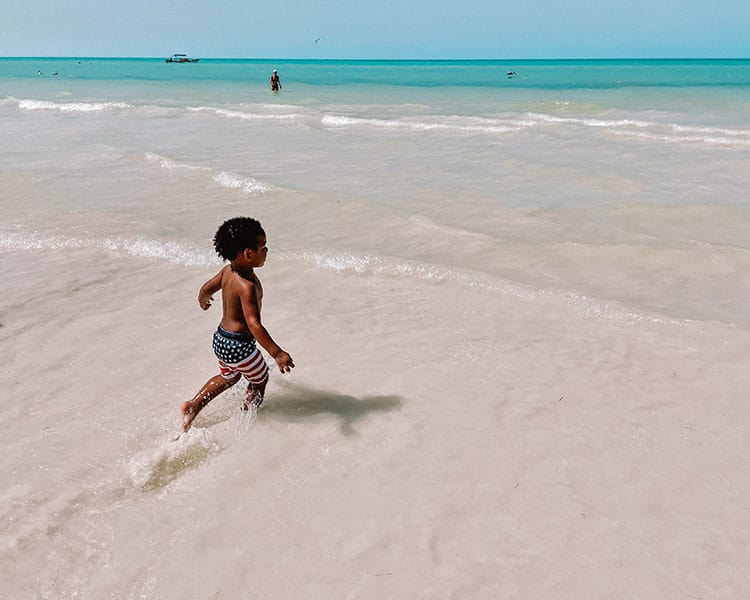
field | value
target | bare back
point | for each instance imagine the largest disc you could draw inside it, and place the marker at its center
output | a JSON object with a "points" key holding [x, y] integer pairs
{"points": [[237, 289]]}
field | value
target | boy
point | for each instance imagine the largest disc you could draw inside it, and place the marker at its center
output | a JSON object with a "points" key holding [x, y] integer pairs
{"points": [[243, 242]]}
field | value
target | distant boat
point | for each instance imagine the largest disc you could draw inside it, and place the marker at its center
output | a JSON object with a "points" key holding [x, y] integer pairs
{"points": [[181, 58]]}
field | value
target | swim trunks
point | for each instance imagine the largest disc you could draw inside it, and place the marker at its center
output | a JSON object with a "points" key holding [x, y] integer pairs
{"points": [[238, 353]]}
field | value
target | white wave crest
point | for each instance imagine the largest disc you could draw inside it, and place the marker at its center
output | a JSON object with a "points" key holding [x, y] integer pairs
{"points": [[427, 223], [247, 116], [368, 264], [675, 139], [653, 130], [712, 130], [279, 106], [171, 165], [361, 264], [26, 104], [450, 124], [13, 240], [161, 249], [372, 264], [232, 181], [137, 247], [237, 182]]}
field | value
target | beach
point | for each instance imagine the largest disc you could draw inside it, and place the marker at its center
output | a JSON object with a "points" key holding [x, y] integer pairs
{"points": [[517, 308]]}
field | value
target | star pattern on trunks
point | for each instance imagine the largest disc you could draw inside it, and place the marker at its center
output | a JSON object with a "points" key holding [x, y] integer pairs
{"points": [[232, 351]]}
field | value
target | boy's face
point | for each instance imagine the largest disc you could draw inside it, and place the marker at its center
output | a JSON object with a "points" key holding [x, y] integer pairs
{"points": [[257, 258]]}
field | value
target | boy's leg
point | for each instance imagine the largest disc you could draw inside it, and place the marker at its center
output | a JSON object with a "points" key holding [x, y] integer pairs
{"points": [[212, 388], [255, 393]]}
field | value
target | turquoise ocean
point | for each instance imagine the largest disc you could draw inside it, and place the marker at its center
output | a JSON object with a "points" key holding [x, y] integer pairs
{"points": [[516, 293], [456, 143]]}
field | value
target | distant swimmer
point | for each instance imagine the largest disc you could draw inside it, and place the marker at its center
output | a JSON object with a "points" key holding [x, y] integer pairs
{"points": [[38, 72], [55, 73], [275, 81], [317, 40], [511, 73]]}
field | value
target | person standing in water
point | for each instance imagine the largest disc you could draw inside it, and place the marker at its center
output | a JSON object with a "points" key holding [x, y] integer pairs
{"points": [[242, 242], [275, 81]]}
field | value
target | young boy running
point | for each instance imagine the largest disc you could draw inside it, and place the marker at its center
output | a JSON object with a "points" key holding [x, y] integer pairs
{"points": [[241, 241]]}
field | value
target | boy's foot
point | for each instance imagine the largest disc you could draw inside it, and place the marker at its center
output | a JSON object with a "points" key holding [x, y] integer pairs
{"points": [[253, 398], [188, 414]]}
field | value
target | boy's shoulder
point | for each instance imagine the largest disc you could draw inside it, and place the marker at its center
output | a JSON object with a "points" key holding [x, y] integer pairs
{"points": [[225, 272], [230, 278]]}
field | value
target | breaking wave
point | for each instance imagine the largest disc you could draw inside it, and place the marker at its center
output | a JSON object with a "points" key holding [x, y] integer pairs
{"points": [[672, 133], [454, 124], [369, 264], [342, 262], [28, 104], [503, 124], [226, 179], [247, 116], [137, 247], [663, 132]]}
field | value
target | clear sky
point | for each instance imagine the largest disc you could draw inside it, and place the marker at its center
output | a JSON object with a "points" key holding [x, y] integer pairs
{"points": [[377, 28]]}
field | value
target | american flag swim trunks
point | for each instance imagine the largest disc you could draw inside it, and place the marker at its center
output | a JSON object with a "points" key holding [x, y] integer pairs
{"points": [[238, 353]]}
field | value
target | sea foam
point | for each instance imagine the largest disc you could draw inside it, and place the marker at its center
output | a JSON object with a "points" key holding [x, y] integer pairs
{"points": [[364, 264], [137, 247], [672, 133], [28, 104], [247, 116], [369, 264], [445, 124], [226, 179]]}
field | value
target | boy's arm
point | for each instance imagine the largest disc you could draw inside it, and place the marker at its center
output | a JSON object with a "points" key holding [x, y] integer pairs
{"points": [[251, 311], [208, 289]]}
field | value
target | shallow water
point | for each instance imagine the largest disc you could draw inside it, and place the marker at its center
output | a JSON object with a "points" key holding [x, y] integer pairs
{"points": [[517, 309]]}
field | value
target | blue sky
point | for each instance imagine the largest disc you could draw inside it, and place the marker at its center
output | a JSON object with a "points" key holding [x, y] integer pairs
{"points": [[377, 28]]}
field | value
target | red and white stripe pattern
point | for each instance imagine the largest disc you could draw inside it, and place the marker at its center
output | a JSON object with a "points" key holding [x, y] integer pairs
{"points": [[254, 368]]}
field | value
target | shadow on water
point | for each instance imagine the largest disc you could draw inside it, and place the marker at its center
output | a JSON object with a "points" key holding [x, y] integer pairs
{"points": [[297, 403]]}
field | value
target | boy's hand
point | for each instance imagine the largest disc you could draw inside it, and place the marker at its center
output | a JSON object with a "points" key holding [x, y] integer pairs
{"points": [[285, 362], [205, 300]]}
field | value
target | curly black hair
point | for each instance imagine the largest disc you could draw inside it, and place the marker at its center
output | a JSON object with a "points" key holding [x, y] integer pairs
{"points": [[235, 235]]}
